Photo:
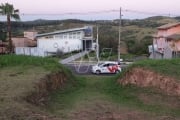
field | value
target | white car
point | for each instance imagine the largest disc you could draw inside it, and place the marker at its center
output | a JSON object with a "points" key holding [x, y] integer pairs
{"points": [[106, 67]]}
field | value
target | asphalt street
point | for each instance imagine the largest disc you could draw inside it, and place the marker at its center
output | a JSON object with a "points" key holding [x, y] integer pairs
{"points": [[85, 69]]}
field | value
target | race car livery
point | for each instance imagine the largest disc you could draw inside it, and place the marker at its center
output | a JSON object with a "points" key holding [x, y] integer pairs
{"points": [[106, 67]]}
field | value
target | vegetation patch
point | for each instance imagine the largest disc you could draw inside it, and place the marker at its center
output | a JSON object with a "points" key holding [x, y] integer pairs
{"points": [[167, 67], [147, 78], [26, 80], [79, 97]]}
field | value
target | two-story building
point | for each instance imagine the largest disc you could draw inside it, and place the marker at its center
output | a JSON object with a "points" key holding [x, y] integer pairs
{"points": [[66, 40], [166, 42]]}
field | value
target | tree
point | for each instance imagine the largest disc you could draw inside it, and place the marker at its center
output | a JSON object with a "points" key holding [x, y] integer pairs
{"points": [[3, 35], [9, 11]]}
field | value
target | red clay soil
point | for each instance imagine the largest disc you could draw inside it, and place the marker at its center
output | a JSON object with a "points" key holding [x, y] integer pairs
{"points": [[147, 78]]}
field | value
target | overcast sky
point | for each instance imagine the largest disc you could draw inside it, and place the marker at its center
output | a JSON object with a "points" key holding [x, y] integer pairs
{"points": [[64, 6]]}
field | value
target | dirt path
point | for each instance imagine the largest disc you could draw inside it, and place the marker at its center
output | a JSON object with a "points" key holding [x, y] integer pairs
{"points": [[90, 103]]}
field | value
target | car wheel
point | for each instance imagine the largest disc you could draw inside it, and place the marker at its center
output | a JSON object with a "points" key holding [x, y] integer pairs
{"points": [[98, 72], [117, 71]]}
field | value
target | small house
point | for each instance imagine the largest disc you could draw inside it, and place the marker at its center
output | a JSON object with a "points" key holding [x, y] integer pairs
{"points": [[166, 41]]}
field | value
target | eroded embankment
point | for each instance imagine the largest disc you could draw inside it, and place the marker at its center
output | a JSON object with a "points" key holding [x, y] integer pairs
{"points": [[44, 86], [147, 78]]}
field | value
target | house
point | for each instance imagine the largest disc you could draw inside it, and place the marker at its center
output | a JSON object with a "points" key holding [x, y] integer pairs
{"points": [[66, 40], [28, 40], [166, 42]]}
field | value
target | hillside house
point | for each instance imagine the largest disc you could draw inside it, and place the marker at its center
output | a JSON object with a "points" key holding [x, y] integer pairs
{"points": [[66, 40], [166, 42], [28, 40]]}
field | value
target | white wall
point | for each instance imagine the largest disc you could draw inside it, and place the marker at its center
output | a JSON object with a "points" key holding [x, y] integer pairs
{"points": [[32, 51], [167, 53], [66, 45]]}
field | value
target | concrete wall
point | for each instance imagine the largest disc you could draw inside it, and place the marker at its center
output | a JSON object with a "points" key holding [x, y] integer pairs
{"points": [[23, 42], [156, 55], [167, 53], [32, 51], [20, 42], [30, 34], [177, 43], [51, 45]]}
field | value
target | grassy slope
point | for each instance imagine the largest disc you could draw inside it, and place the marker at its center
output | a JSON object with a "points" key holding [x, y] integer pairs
{"points": [[13, 60], [169, 67], [18, 74], [129, 94], [92, 89], [93, 94]]}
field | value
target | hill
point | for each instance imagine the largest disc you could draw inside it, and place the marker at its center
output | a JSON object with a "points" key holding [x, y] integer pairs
{"points": [[161, 74], [40, 88], [135, 37], [26, 84]]}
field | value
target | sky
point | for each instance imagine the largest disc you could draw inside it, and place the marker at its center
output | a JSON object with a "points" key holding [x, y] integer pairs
{"points": [[36, 9]]}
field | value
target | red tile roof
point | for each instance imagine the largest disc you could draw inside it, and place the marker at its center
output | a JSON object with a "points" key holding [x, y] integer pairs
{"points": [[167, 26]]}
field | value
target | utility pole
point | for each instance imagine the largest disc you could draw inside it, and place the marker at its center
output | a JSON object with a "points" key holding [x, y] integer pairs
{"points": [[97, 45], [119, 35]]}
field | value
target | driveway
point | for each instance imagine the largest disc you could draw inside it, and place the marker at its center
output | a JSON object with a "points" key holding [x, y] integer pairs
{"points": [[73, 57]]}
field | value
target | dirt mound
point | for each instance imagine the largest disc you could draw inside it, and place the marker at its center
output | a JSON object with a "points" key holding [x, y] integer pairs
{"points": [[147, 78], [46, 85]]}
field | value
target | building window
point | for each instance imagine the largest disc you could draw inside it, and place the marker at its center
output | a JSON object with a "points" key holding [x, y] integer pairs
{"points": [[74, 35], [78, 35], [58, 36], [61, 36], [47, 37], [70, 35], [65, 36]]}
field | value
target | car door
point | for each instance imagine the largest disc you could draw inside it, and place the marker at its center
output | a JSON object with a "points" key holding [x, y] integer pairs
{"points": [[104, 68], [112, 68]]}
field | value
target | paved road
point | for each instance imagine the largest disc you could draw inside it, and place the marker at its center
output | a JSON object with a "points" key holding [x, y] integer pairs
{"points": [[80, 67], [84, 69]]}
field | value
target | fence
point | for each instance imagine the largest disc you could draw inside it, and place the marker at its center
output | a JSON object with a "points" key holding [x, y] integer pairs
{"points": [[32, 51]]}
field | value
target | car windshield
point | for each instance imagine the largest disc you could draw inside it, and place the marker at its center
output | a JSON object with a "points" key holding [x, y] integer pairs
{"points": [[100, 64]]}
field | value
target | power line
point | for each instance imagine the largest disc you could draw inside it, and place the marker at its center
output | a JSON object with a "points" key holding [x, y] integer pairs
{"points": [[149, 13], [72, 13], [104, 11]]}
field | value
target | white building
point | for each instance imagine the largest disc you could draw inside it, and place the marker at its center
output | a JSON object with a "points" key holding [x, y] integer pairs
{"points": [[66, 40]]}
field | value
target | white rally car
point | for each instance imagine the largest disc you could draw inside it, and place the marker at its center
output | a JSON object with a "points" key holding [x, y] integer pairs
{"points": [[106, 67]]}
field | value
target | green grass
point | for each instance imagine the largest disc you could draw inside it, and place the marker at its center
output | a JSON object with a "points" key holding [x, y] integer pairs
{"points": [[20, 60], [18, 73], [105, 88], [18, 76], [169, 67], [85, 93], [129, 96], [49, 64]]}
